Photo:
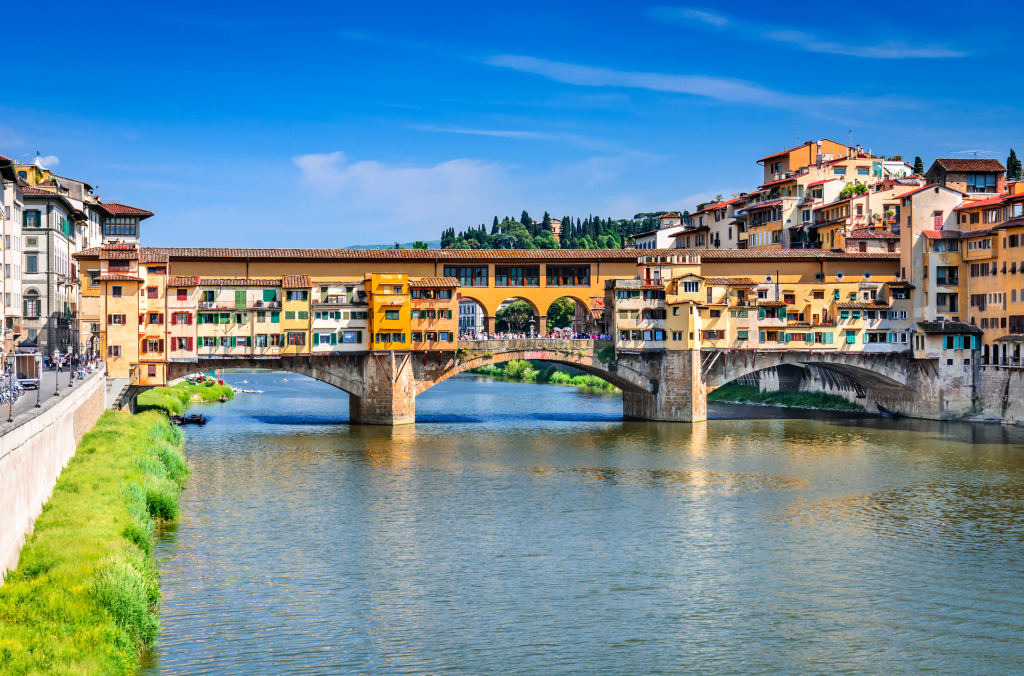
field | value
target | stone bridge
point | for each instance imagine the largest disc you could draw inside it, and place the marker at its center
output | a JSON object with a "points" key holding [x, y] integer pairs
{"points": [[656, 385]]}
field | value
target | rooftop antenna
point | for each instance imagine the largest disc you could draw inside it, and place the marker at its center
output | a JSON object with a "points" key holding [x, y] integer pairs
{"points": [[851, 137], [974, 152], [798, 134]]}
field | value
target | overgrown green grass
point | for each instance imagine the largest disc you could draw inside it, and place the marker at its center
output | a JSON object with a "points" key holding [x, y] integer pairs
{"points": [[527, 372], [175, 399], [84, 598], [751, 394]]}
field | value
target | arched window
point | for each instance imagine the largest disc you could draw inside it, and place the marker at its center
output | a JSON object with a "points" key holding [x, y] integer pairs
{"points": [[32, 304]]}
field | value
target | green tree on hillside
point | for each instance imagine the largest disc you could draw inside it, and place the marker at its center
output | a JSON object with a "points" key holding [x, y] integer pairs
{"points": [[918, 166]]}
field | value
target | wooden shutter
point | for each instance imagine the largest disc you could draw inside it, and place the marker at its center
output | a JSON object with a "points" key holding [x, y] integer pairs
{"points": [[145, 346], [174, 318], [110, 319], [334, 338], [239, 298], [188, 317], [160, 345], [188, 344]]}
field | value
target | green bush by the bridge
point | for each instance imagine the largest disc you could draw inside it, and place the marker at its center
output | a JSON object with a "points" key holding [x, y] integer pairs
{"points": [[526, 371], [84, 598], [751, 394], [175, 399]]}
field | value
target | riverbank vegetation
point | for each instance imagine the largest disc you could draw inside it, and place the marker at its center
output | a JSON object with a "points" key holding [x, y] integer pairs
{"points": [[736, 393], [524, 371], [84, 598], [175, 399]]}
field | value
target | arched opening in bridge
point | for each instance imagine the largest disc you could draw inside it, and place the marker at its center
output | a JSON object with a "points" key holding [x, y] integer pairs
{"points": [[517, 316], [472, 316], [570, 314]]}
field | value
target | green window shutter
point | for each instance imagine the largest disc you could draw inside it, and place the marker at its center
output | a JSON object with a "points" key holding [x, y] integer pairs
{"points": [[199, 318], [268, 295], [275, 317], [359, 336], [334, 339], [783, 316], [239, 298], [892, 337], [233, 341], [760, 314], [828, 338], [762, 336], [783, 337], [864, 337], [837, 294]]}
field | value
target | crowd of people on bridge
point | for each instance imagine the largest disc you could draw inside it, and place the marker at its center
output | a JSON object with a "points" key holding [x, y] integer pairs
{"points": [[554, 334]]}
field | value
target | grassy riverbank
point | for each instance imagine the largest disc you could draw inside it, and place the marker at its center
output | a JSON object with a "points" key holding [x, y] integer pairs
{"points": [[84, 598], [751, 394], [527, 372], [175, 399]]}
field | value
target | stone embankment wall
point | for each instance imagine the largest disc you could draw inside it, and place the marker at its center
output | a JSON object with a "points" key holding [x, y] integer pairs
{"points": [[34, 449], [1000, 394]]}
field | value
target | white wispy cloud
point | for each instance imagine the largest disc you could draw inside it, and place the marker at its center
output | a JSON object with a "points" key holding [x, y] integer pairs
{"points": [[47, 161], [435, 195], [800, 39], [374, 201], [718, 88]]}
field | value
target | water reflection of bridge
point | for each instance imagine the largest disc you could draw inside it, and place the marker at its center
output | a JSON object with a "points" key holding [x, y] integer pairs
{"points": [[656, 385]]}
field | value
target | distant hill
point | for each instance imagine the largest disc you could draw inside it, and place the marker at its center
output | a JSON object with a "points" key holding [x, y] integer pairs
{"points": [[433, 244]]}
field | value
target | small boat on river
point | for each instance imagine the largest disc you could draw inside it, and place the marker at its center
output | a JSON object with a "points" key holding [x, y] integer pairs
{"points": [[195, 419], [886, 413]]}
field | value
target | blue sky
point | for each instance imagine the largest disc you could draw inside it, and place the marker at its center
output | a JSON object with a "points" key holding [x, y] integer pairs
{"points": [[330, 124]]}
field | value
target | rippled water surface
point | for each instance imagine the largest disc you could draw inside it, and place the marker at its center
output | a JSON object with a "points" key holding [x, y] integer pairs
{"points": [[528, 529]]}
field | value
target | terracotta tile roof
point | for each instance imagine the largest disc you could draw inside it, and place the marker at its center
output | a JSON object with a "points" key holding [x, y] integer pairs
{"points": [[233, 281], [798, 325], [941, 234], [118, 277], [444, 282], [822, 182], [946, 328], [114, 209], [152, 257], [658, 287], [491, 254], [31, 190], [771, 303], [967, 164], [118, 255], [120, 246], [297, 282], [730, 281], [762, 205], [779, 181], [182, 281], [858, 305], [998, 199], [671, 214], [899, 285], [872, 234]]}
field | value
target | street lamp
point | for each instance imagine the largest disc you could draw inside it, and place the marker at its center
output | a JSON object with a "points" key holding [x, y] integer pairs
{"points": [[39, 378], [533, 334], [56, 370]]}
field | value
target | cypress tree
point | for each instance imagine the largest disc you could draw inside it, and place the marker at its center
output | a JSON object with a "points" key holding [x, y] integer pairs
{"points": [[918, 166]]}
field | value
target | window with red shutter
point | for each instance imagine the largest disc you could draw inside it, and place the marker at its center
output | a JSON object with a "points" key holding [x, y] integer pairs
{"points": [[174, 318]]}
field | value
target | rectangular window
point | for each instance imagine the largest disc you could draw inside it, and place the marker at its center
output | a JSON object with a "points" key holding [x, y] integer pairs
{"points": [[113, 350], [575, 275], [391, 314], [352, 337], [296, 338], [468, 275], [31, 263], [519, 275], [151, 292], [115, 292]]}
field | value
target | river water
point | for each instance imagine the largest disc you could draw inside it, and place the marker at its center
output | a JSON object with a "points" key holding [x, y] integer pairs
{"points": [[524, 528]]}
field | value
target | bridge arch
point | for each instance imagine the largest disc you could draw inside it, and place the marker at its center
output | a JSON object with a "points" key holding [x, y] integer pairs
{"points": [[867, 378], [525, 328], [340, 371], [579, 356]]}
